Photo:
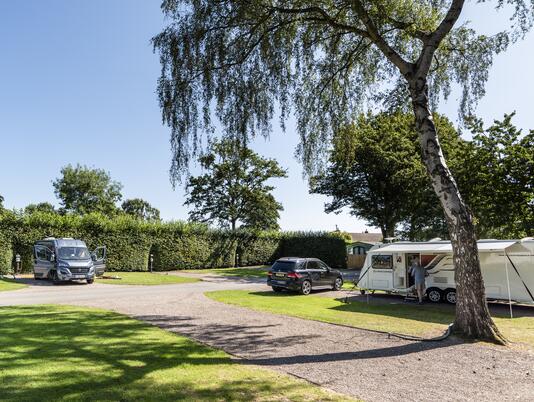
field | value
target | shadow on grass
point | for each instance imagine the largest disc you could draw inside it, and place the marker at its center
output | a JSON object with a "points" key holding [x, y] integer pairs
{"points": [[53, 353], [425, 313]]}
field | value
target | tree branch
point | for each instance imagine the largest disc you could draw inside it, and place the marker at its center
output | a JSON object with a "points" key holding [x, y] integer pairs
{"points": [[431, 44], [403, 66], [326, 18]]}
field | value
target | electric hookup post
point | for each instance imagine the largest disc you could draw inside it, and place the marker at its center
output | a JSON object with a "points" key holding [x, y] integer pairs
{"points": [[17, 264], [151, 262]]}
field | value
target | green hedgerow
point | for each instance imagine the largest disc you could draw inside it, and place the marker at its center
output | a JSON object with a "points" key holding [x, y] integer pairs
{"points": [[174, 245]]}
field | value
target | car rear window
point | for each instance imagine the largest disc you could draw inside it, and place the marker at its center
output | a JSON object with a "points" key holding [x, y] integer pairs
{"points": [[286, 266]]}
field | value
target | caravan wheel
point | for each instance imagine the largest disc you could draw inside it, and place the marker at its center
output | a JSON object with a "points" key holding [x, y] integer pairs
{"points": [[450, 296], [434, 295]]}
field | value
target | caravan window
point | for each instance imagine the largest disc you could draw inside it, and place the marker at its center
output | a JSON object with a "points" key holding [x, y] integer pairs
{"points": [[382, 262]]}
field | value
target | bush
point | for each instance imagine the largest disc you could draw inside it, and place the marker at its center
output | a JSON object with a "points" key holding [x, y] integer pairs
{"points": [[174, 245], [329, 247]]}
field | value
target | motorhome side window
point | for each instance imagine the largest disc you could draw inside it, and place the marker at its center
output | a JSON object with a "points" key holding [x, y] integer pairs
{"points": [[382, 262]]}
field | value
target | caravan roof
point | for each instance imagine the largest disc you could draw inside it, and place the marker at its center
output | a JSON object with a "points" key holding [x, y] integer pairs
{"points": [[445, 246]]}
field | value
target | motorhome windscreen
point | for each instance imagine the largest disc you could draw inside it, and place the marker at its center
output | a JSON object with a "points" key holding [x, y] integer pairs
{"points": [[73, 253], [286, 266], [382, 262]]}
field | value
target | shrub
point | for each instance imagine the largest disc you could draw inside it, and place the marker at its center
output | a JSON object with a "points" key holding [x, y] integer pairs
{"points": [[174, 245]]}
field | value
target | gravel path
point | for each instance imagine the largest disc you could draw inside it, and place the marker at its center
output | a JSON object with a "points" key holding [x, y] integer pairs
{"points": [[369, 366]]}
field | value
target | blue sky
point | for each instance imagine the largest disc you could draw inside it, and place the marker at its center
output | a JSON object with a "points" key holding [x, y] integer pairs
{"points": [[77, 85]]}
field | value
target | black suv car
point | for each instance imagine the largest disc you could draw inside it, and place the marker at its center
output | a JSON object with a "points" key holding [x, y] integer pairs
{"points": [[303, 274]]}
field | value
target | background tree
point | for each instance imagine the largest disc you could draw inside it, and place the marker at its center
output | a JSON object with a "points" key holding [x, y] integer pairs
{"points": [[233, 191], [323, 60], [1, 202], [498, 178], [40, 207], [83, 190], [140, 209], [375, 170]]}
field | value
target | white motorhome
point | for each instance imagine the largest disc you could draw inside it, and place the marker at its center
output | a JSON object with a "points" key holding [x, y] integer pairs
{"points": [[507, 268]]}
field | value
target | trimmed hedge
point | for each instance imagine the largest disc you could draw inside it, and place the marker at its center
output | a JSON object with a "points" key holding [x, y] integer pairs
{"points": [[174, 245]]}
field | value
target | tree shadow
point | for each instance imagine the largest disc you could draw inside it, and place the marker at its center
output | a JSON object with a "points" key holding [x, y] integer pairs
{"points": [[51, 353], [497, 308], [236, 339], [393, 351], [47, 283]]}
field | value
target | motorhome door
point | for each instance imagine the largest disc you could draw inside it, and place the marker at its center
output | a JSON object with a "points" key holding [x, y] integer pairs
{"points": [[99, 260], [42, 263]]}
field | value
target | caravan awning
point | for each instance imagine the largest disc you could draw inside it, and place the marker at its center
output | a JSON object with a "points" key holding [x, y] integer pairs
{"points": [[443, 246]]}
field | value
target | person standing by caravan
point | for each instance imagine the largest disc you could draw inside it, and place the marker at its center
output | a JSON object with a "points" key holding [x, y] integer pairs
{"points": [[419, 273]]}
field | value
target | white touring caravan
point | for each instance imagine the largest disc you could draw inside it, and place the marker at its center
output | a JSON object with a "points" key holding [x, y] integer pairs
{"points": [[507, 268]]}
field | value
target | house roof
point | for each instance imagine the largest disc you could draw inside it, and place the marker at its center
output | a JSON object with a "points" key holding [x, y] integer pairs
{"points": [[370, 238]]}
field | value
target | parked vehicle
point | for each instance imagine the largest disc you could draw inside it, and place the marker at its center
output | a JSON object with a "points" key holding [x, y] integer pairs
{"points": [[303, 275], [67, 259], [507, 268]]}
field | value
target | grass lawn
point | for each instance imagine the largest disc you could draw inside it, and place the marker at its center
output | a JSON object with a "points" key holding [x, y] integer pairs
{"points": [[144, 278], [8, 284], [72, 353], [247, 272], [424, 320]]}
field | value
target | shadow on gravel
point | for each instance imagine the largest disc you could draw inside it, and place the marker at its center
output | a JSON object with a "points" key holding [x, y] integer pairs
{"points": [[234, 279], [44, 282], [394, 351], [232, 338], [113, 359]]}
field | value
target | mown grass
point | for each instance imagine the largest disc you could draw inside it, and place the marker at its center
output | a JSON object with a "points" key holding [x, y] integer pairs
{"points": [[144, 278], [426, 320], [71, 353], [245, 272], [9, 284]]}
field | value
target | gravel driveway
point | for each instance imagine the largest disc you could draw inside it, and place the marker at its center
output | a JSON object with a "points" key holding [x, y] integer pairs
{"points": [[366, 365]]}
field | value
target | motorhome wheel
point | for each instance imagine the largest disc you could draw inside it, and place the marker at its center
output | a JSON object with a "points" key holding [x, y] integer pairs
{"points": [[53, 277], [450, 296], [89, 281], [434, 295]]}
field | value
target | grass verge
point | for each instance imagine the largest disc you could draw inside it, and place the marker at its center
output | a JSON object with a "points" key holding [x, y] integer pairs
{"points": [[72, 353], [144, 278], [245, 272], [407, 319], [8, 284]]}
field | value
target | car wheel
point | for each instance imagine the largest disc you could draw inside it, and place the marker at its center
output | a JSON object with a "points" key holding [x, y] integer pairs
{"points": [[338, 284], [277, 288], [89, 281], [450, 296], [434, 295], [306, 287], [362, 291]]}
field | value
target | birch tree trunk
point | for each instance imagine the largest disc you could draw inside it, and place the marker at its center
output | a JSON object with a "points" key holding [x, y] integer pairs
{"points": [[472, 315]]}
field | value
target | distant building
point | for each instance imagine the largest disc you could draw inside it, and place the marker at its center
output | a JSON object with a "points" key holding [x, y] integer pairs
{"points": [[358, 247]]}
